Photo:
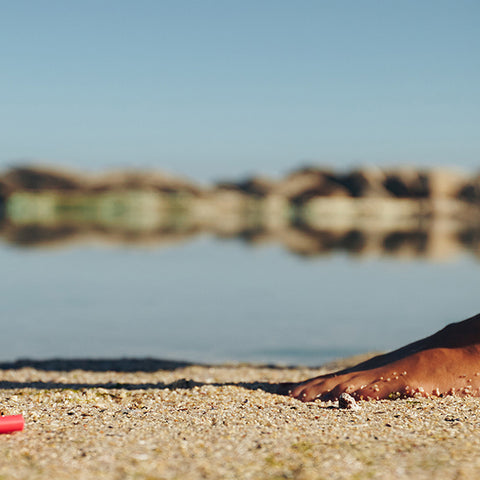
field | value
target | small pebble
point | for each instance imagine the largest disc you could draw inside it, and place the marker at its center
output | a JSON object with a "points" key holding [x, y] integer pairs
{"points": [[347, 401]]}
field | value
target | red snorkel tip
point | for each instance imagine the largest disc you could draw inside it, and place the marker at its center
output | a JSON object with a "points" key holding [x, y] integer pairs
{"points": [[11, 423]]}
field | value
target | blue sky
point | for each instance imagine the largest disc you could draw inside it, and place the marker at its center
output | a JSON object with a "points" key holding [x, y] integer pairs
{"points": [[221, 89]]}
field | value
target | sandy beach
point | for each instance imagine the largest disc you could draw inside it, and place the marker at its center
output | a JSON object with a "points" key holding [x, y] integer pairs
{"points": [[221, 422]]}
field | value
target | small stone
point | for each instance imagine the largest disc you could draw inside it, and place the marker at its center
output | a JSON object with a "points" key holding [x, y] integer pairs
{"points": [[347, 401]]}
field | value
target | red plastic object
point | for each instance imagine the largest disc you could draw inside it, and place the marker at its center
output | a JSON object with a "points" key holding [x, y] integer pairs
{"points": [[11, 423]]}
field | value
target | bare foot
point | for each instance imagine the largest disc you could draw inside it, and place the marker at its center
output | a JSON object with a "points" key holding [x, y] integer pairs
{"points": [[446, 363]]}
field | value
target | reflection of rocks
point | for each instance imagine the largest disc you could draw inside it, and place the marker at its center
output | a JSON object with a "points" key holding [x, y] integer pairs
{"points": [[423, 242], [312, 211]]}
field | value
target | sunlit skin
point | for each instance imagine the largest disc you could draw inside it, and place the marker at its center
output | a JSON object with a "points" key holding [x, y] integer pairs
{"points": [[445, 363]]}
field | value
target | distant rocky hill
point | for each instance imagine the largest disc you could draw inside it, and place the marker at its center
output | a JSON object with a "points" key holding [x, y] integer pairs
{"points": [[298, 186], [310, 211]]}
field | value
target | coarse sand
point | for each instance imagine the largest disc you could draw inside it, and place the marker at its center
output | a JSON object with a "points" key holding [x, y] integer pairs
{"points": [[221, 422]]}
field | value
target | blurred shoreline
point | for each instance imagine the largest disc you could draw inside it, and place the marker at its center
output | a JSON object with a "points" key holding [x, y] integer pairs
{"points": [[405, 213]]}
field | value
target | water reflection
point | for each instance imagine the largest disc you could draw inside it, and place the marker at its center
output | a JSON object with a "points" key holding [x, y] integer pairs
{"points": [[403, 213], [209, 300], [433, 239]]}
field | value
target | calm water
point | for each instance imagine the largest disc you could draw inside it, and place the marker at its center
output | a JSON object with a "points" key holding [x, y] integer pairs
{"points": [[212, 301]]}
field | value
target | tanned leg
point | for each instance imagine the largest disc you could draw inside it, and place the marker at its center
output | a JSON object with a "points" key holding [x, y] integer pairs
{"points": [[446, 363]]}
